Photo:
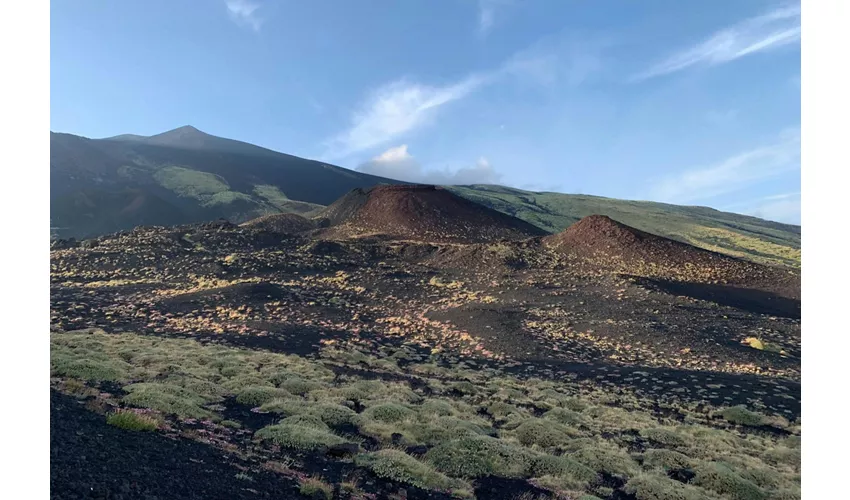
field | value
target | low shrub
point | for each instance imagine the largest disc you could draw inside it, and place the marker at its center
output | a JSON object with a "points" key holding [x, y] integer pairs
{"points": [[543, 433], [436, 407], [387, 412], [742, 416], [89, 369], [287, 407], [334, 415], [298, 437], [479, 456], [167, 398], [132, 421], [445, 429], [666, 459], [652, 487], [316, 488], [257, 395], [562, 467], [299, 386], [722, 479], [664, 437], [614, 462], [306, 420], [399, 466], [565, 416]]}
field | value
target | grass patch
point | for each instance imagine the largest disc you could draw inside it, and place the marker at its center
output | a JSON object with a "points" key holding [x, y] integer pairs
{"points": [[258, 395], [132, 421], [742, 416], [543, 433], [666, 459], [399, 466], [298, 437], [167, 398], [315, 488], [387, 412], [652, 487], [614, 462], [89, 369], [479, 456], [720, 478]]}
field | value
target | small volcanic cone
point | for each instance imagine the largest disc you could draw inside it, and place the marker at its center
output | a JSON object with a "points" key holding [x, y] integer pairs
{"points": [[281, 223], [598, 235], [423, 213], [606, 243]]}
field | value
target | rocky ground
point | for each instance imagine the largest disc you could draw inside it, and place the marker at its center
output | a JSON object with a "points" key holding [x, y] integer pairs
{"points": [[676, 347]]}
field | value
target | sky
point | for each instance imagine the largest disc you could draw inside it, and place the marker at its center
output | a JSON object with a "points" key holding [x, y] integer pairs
{"points": [[686, 102]]}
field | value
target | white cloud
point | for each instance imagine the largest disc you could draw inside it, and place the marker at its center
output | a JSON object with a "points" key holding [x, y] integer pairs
{"points": [[487, 14], [397, 163], [768, 31], [395, 109], [400, 107], [243, 13], [783, 207], [732, 174]]}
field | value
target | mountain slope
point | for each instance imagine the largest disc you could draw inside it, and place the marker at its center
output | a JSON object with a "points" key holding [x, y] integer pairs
{"points": [[182, 176], [733, 234]]}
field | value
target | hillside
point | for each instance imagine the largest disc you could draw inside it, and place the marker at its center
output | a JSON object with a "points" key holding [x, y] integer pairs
{"points": [[99, 186], [424, 213], [733, 234]]}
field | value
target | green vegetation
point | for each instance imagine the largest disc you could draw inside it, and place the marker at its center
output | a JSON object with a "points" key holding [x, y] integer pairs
{"points": [[399, 466], [132, 421], [314, 487], [467, 434], [738, 235]]}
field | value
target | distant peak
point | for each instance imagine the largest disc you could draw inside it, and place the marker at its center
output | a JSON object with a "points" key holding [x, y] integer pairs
{"points": [[185, 129]]}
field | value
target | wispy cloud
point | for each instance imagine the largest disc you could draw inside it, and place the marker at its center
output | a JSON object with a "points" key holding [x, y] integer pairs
{"points": [[395, 109], [244, 13], [397, 163], [784, 207], [732, 174], [487, 14], [761, 33]]}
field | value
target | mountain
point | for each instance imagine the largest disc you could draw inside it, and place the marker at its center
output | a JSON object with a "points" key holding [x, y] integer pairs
{"points": [[181, 176], [98, 186]]}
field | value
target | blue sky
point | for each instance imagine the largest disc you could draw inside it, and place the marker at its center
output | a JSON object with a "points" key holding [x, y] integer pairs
{"points": [[689, 102]]}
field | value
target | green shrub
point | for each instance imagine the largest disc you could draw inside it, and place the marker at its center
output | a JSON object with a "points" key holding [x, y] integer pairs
{"points": [[132, 421], [742, 416], [436, 407], [666, 459], [565, 416], [167, 398], [543, 433], [614, 462], [334, 415], [306, 420], [446, 429], [298, 437], [480, 456], [665, 437], [500, 409], [398, 466], [387, 412], [316, 488], [300, 386], [785, 494], [89, 369], [562, 467], [651, 487], [287, 407], [783, 456], [722, 479], [257, 395]]}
